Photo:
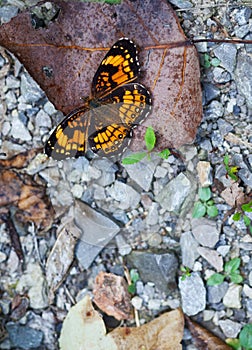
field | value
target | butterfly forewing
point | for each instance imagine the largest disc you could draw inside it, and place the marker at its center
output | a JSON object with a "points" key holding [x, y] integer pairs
{"points": [[118, 67], [69, 139]]}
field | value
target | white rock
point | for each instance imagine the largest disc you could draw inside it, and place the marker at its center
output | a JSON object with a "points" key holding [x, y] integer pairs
{"points": [[19, 131], [232, 298]]}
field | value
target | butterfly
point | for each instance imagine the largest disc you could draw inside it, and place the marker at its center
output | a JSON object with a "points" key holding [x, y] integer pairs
{"points": [[105, 121]]}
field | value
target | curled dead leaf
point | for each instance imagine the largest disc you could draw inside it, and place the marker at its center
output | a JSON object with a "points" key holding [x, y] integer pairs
{"points": [[84, 329], [111, 295]]}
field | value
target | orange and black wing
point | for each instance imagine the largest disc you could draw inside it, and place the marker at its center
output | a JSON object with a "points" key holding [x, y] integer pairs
{"points": [[112, 123], [118, 67], [69, 139]]}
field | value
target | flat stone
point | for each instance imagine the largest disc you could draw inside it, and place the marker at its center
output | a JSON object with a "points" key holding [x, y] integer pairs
{"points": [[221, 76], [230, 328], [193, 294], [7, 13], [232, 298], [19, 131], [211, 92], [214, 110], [12, 82], [243, 77], [30, 90], [97, 231], [157, 268], [152, 215], [216, 293], [212, 257], [24, 337], [174, 193], [126, 196], [205, 232], [189, 250], [204, 170], [43, 120], [226, 53], [142, 172], [247, 291]]}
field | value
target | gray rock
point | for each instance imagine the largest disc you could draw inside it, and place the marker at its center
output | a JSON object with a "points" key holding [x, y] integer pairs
{"points": [[43, 120], [7, 13], [108, 170], [205, 231], [230, 328], [24, 337], [123, 247], [189, 251], [248, 47], [246, 176], [97, 231], [30, 90], [214, 110], [221, 76], [210, 92], [174, 193], [49, 108], [182, 4], [216, 293], [232, 298], [224, 127], [157, 268], [10, 99], [204, 170], [217, 139], [12, 82], [19, 131], [193, 294], [243, 75], [126, 196], [242, 14], [212, 257], [142, 172], [160, 172], [226, 53], [152, 216]]}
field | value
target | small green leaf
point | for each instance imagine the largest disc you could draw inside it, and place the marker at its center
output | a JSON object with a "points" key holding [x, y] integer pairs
{"points": [[232, 265], [164, 154], [134, 275], [199, 210], [215, 279], [215, 62], [207, 63], [246, 220], [245, 336], [212, 211], [150, 138], [236, 278], [236, 216], [205, 194], [234, 343], [133, 158], [226, 160], [247, 207], [132, 288]]}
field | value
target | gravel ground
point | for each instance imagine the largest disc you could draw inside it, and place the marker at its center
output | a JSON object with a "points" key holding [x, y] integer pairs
{"points": [[150, 231]]}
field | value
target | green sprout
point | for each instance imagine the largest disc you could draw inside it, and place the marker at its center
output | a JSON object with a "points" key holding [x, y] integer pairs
{"points": [[150, 141], [208, 61], [231, 170], [134, 276], [205, 205], [247, 207], [231, 270], [186, 272]]}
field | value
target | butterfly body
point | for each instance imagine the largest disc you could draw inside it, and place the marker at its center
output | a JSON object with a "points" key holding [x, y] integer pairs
{"points": [[105, 120]]}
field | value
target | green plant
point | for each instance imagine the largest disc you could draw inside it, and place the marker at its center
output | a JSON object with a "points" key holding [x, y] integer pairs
{"points": [[186, 272], [244, 341], [231, 270], [205, 205], [247, 207], [134, 276], [209, 61], [150, 141], [231, 170]]}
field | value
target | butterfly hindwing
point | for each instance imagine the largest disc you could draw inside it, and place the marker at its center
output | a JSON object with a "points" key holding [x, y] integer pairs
{"points": [[118, 67], [69, 139]]}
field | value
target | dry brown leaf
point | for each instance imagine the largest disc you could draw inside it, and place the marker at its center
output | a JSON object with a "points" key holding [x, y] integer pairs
{"points": [[84, 329], [233, 195], [64, 55], [111, 295], [62, 254], [20, 160], [205, 340]]}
